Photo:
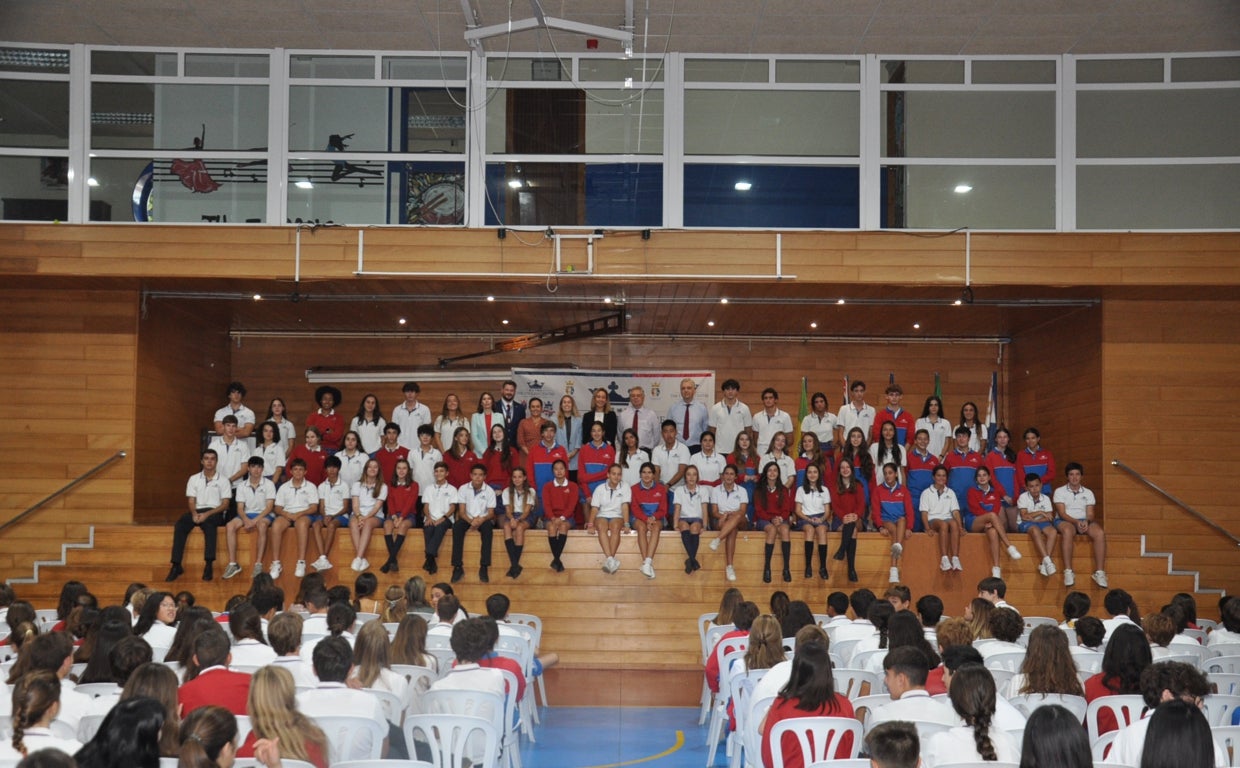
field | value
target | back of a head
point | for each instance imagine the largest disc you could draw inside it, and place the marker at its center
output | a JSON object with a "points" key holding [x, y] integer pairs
{"points": [[1076, 605], [284, 633], [471, 640], [810, 680], [245, 623], [1054, 738], [779, 604], [332, 659], [765, 643], [973, 694], [1126, 657], [1090, 631], [837, 602], [1178, 737], [47, 651], [894, 744], [204, 733], [1230, 615], [497, 606], [860, 600], [953, 631], [340, 618], [152, 681], [1159, 628], [447, 608], [744, 615], [128, 737], [212, 647], [316, 599], [956, 656], [993, 584], [48, 757], [1006, 625], [1117, 602], [930, 610], [339, 594], [128, 655], [1177, 678], [910, 662], [798, 615], [267, 599], [813, 633], [731, 598]]}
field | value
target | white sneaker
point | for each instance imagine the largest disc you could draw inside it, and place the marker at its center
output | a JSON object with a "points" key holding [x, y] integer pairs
{"points": [[647, 569], [894, 576], [714, 544], [945, 564], [897, 549], [730, 572], [1069, 578], [300, 570], [1049, 565], [231, 570], [1042, 568], [364, 563], [356, 564], [258, 568], [956, 566], [1013, 552], [606, 565], [276, 569], [322, 564], [1100, 578], [996, 572]]}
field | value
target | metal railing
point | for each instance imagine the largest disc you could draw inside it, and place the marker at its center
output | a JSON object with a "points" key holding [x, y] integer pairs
{"points": [[1121, 465], [64, 489]]}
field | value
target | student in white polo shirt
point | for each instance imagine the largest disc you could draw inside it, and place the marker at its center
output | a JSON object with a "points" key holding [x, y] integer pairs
{"points": [[476, 513], [730, 500], [439, 501], [1074, 506], [295, 503], [256, 496], [335, 506], [691, 508], [610, 508], [729, 417], [208, 494]]}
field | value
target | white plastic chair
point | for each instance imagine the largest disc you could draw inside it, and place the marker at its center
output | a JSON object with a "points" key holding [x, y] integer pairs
{"points": [[1218, 708], [740, 691], [158, 652], [926, 729], [1127, 708], [534, 625], [751, 738], [861, 660], [844, 649], [719, 712], [1226, 649], [1026, 703], [1009, 661], [1199, 653], [440, 647], [391, 627], [1089, 662], [244, 726], [1192, 659], [245, 669], [88, 726], [1226, 684], [850, 682], [45, 619], [1228, 737], [1207, 624], [350, 737], [713, 634], [453, 739], [393, 707], [496, 709], [869, 704], [95, 690], [1003, 679], [1037, 621], [1227, 664], [419, 678], [389, 763], [818, 738]]}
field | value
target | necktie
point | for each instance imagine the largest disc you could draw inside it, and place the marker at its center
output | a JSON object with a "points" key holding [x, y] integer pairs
{"points": [[507, 411], [488, 426], [635, 421], [685, 432]]}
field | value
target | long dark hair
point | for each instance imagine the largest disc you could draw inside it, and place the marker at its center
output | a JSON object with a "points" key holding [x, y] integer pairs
{"points": [[69, 594], [762, 494], [114, 626], [1008, 451], [203, 734], [1054, 738], [889, 454], [973, 697], [1178, 737], [810, 681], [858, 456], [1126, 657], [904, 629], [149, 609], [128, 736], [245, 623], [193, 621]]}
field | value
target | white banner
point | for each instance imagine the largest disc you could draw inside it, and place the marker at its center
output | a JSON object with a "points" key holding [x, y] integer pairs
{"points": [[662, 387]]}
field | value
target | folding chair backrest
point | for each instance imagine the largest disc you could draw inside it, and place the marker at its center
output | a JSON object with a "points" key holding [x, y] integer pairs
{"points": [[1009, 661], [817, 738], [1219, 708], [1227, 684], [851, 682], [1127, 709], [453, 739], [1026, 703], [1228, 737], [1228, 664], [350, 737]]}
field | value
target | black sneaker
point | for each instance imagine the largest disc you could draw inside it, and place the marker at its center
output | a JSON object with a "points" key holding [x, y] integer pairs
{"points": [[458, 573], [809, 572], [516, 570], [557, 566], [386, 567], [852, 575], [482, 575], [688, 565], [839, 553], [208, 572], [822, 573]]}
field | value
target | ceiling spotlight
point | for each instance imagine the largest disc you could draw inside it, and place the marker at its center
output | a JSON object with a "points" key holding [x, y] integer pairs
{"points": [[813, 325], [505, 322], [402, 321], [962, 188], [258, 297], [916, 326], [490, 298], [304, 184], [710, 323], [839, 301], [743, 186], [723, 301], [606, 299], [957, 303]]}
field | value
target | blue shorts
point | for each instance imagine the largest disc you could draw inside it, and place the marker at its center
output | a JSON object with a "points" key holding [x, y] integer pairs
{"points": [[893, 518], [1025, 527], [269, 517], [967, 518], [820, 519], [762, 525]]}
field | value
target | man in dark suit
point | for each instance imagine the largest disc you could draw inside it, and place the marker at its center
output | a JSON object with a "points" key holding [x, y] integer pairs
{"points": [[514, 412], [215, 683]]}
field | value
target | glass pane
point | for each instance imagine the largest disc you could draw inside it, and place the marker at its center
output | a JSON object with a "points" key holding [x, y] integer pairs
{"points": [[918, 71], [179, 191], [424, 68], [342, 67], [36, 113], [377, 119], [968, 124], [799, 71], [42, 60], [583, 194], [34, 188], [979, 196], [159, 116], [1157, 197], [1119, 71], [619, 70], [226, 65], [1205, 69], [551, 121], [777, 196], [1013, 72], [1187, 123], [434, 120], [371, 192], [804, 123], [135, 63], [549, 69], [727, 71]]}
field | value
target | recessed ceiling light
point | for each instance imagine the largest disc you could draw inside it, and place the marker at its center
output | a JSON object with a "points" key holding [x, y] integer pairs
{"points": [[505, 322], [840, 301], [916, 326], [514, 183], [402, 321], [957, 302], [743, 186], [813, 325], [490, 298], [304, 184], [723, 301], [606, 299], [711, 323], [962, 188], [258, 297]]}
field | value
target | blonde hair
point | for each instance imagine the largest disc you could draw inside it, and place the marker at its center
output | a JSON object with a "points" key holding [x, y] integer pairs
{"points": [[980, 623], [953, 631], [274, 714], [766, 646], [395, 606], [34, 694], [370, 652]]}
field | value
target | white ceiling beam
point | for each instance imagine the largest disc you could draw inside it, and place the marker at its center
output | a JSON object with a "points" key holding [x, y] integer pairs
{"points": [[540, 20]]}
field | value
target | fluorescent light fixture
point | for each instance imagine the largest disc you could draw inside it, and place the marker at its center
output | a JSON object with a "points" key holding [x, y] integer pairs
{"points": [[122, 118], [514, 183], [304, 184], [839, 301], [724, 300], [92, 182], [962, 188], [743, 186], [490, 298]]}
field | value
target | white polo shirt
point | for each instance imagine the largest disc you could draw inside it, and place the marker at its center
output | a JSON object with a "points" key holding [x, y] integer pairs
{"points": [[940, 434], [208, 493], [668, 460], [365, 503], [693, 504], [710, 468], [822, 426], [231, 457], [251, 500], [938, 506], [787, 466], [409, 421], [423, 465], [610, 501], [728, 422], [297, 499], [766, 426], [1026, 503], [439, 500], [729, 501], [243, 413], [477, 501], [273, 457], [1074, 503], [813, 503], [351, 466], [850, 417], [334, 496]]}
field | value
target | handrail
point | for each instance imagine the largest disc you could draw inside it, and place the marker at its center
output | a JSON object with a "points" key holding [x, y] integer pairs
{"points": [[64, 489], [1176, 501]]}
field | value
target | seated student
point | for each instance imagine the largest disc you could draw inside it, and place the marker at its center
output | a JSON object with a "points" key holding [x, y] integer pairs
{"points": [[1126, 657], [893, 514], [278, 726], [1006, 628], [335, 504], [447, 613], [983, 514], [894, 745], [333, 662], [208, 738], [940, 514], [475, 512], [208, 494], [810, 692], [124, 658], [860, 627], [730, 502], [295, 504], [1075, 606], [742, 619], [1159, 630], [439, 504], [53, 652], [973, 696], [837, 610], [497, 609], [1162, 682], [1006, 717], [36, 701], [1090, 636], [284, 632], [256, 496], [518, 501], [648, 503], [1074, 508], [1037, 519], [813, 512], [373, 668], [560, 500], [391, 451], [905, 670], [1048, 667], [209, 680], [1176, 612], [250, 648], [493, 660], [948, 632], [312, 454], [900, 597], [777, 676], [1121, 609], [1229, 632], [610, 508], [692, 507], [930, 611], [471, 642], [993, 590]]}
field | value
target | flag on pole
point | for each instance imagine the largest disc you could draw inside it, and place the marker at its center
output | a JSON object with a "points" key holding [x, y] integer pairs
{"points": [[938, 388], [992, 411], [891, 378], [802, 412], [845, 400]]}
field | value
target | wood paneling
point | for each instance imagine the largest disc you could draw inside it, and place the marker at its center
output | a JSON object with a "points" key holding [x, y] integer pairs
{"points": [[1171, 378], [182, 377], [67, 370]]}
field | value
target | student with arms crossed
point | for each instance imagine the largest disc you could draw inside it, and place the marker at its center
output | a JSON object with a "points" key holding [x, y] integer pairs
{"points": [[1037, 518], [244, 416], [207, 494], [729, 417]]}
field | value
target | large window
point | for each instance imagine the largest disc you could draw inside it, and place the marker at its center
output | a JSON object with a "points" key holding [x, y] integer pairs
{"points": [[35, 172]]}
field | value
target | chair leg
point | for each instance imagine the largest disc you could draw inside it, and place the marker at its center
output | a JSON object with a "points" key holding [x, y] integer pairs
{"points": [[542, 691], [705, 703], [718, 718]]}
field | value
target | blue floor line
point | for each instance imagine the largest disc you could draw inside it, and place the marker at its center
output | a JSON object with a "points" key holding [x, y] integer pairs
{"points": [[584, 737]]}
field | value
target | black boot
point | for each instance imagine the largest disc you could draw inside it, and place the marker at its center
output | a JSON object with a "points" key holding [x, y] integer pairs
{"points": [[822, 561], [809, 557], [785, 549], [768, 550]]}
